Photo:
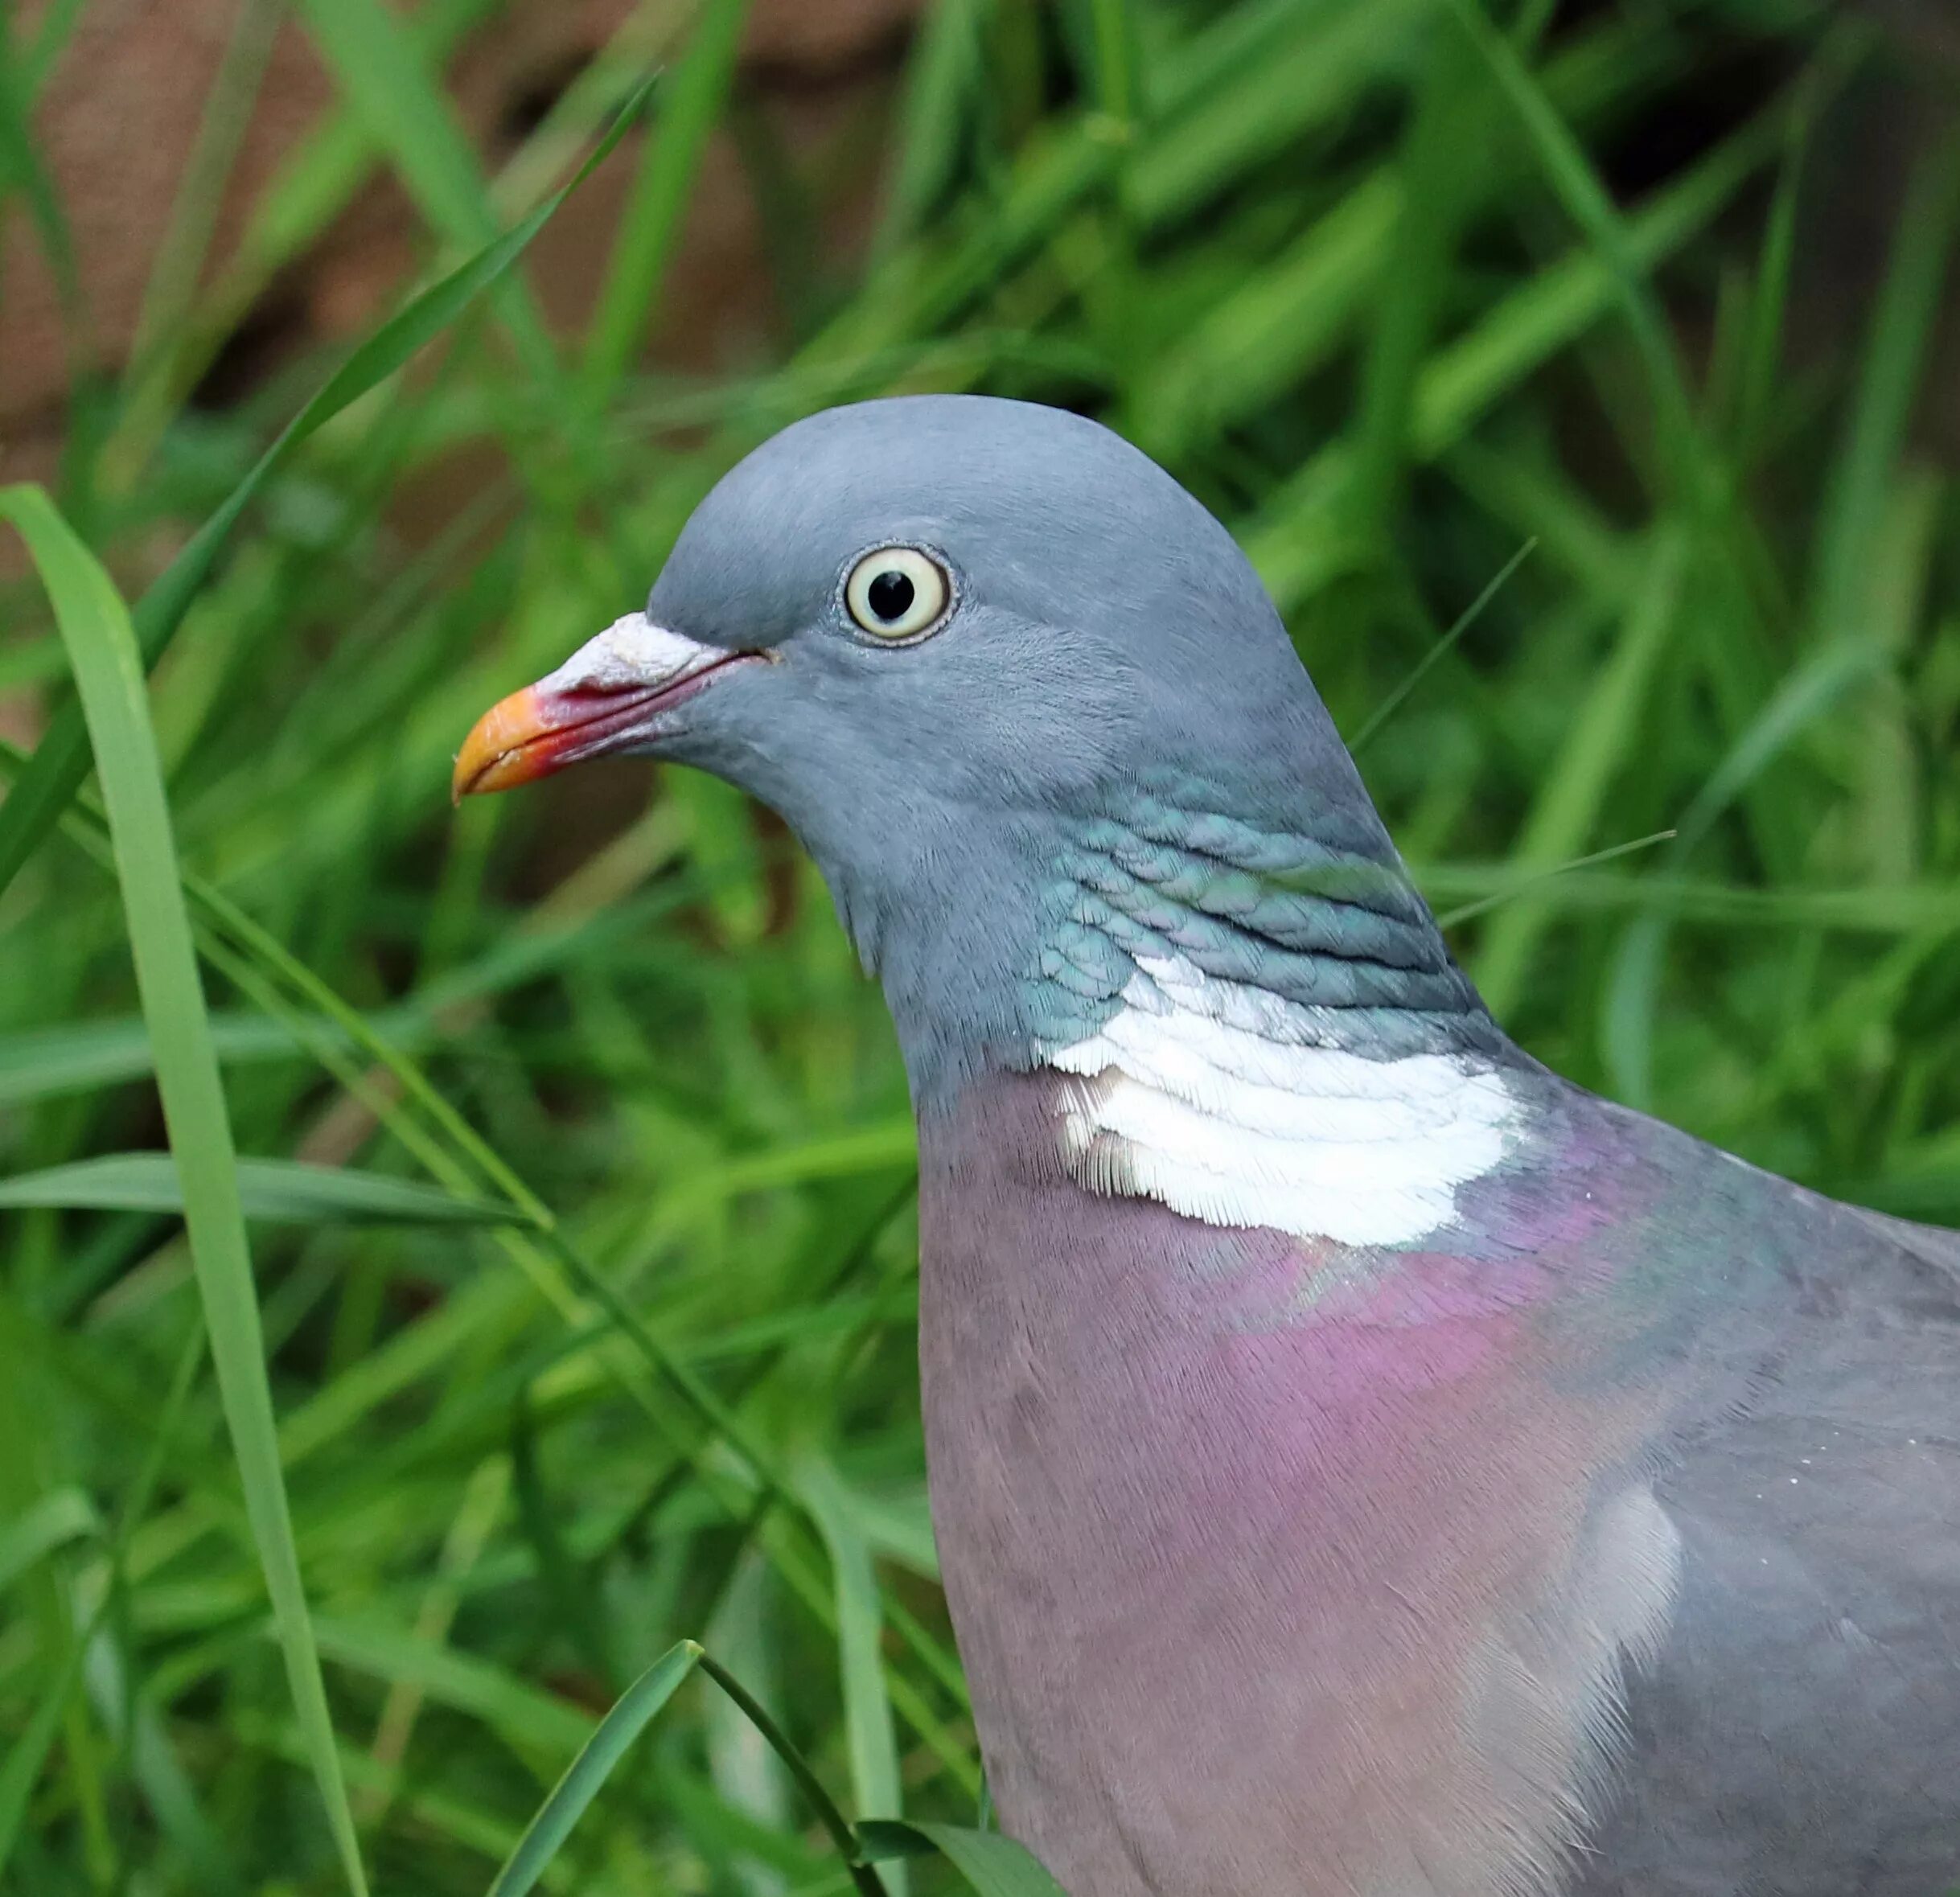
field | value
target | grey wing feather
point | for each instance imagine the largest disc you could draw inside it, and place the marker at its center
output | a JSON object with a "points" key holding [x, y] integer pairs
{"points": [[1798, 1736]]}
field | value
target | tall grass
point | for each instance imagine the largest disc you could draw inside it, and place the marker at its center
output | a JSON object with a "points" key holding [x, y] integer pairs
{"points": [[575, 1155]]}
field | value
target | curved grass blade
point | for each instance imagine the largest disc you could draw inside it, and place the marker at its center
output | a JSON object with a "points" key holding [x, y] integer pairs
{"points": [[996, 1866], [868, 1882], [62, 1516], [583, 1778], [61, 759], [95, 626], [281, 1192], [991, 1863]]}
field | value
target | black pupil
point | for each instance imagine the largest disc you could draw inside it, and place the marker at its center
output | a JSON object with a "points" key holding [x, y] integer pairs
{"points": [[891, 594]]}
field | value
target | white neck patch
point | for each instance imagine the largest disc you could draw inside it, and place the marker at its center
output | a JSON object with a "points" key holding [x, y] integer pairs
{"points": [[1216, 1099]]}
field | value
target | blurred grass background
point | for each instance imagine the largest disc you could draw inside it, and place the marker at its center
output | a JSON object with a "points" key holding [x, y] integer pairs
{"points": [[1652, 292]]}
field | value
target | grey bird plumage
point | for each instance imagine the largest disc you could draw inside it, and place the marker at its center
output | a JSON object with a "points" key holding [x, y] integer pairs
{"points": [[1365, 1464]]}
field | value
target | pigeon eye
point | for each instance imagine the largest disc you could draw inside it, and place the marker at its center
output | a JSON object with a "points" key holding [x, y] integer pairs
{"points": [[898, 593]]}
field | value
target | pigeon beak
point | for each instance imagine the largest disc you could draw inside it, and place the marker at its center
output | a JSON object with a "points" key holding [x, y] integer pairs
{"points": [[604, 698]]}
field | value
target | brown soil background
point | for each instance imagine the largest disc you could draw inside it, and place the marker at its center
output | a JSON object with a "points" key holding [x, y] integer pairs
{"points": [[118, 117]]}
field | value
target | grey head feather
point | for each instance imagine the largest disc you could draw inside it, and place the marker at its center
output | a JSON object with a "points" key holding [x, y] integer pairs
{"points": [[1111, 655]]}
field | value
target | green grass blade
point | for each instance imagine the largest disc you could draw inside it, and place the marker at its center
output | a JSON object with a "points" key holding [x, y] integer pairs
{"points": [[941, 72], [647, 230], [1433, 197], [991, 1863], [21, 169], [184, 248], [1118, 85], [1450, 919], [1574, 792], [394, 92], [313, 185], [1470, 614], [868, 1882], [1762, 354], [62, 1516], [871, 1742], [27, 1751], [61, 759], [1821, 683], [1571, 175], [101, 641], [630, 1716], [1910, 305], [285, 1191]]}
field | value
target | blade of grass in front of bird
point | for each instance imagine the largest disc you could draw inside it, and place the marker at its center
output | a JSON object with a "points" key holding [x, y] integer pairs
{"points": [[630, 1715], [993, 1864], [868, 1882], [96, 626], [42, 791]]}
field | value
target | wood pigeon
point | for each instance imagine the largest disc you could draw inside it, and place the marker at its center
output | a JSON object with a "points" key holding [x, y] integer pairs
{"points": [[1364, 1464]]}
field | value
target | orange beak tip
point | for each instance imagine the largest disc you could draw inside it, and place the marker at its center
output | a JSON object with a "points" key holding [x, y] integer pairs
{"points": [[508, 745]]}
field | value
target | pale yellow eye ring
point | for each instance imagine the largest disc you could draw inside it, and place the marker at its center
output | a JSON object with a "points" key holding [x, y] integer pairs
{"points": [[898, 593]]}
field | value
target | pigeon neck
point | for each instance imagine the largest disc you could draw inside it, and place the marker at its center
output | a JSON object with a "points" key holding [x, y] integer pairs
{"points": [[1018, 948]]}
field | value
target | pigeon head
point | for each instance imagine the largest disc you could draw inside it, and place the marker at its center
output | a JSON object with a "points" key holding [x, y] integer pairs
{"points": [[944, 637]]}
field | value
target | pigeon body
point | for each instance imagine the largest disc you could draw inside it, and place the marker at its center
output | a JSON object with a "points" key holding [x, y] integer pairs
{"points": [[1364, 1464]]}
